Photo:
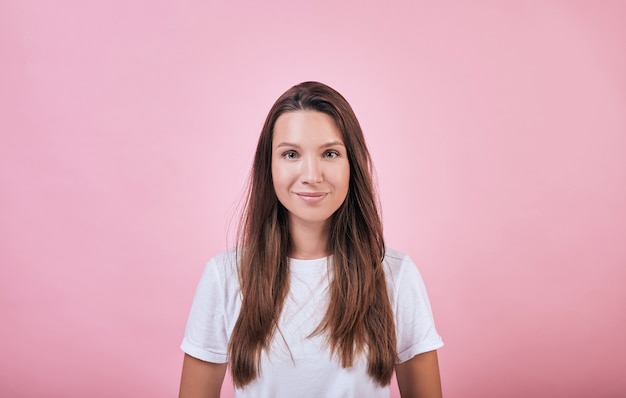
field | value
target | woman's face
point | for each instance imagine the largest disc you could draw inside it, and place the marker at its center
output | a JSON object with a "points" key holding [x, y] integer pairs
{"points": [[310, 166]]}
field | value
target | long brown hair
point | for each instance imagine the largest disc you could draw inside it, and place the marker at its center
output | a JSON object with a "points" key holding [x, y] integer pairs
{"points": [[359, 315]]}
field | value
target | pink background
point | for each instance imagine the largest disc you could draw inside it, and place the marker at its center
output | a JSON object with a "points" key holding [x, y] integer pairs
{"points": [[498, 130]]}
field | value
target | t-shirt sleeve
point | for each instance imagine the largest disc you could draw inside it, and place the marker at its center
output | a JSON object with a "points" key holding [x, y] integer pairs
{"points": [[206, 336], [414, 319]]}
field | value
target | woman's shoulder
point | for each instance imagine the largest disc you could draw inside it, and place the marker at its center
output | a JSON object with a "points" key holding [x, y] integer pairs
{"points": [[398, 265], [395, 259], [224, 262], [226, 255]]}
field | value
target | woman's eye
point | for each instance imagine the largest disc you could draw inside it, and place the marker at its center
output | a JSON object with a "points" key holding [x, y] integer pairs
{"points": [[331, 154], [290, 155]]}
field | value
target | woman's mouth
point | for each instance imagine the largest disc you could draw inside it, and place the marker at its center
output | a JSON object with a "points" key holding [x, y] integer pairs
{"points": [[311, 197]]}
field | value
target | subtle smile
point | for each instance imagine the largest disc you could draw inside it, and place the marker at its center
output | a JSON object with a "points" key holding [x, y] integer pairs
{"points": [[311, 197]]}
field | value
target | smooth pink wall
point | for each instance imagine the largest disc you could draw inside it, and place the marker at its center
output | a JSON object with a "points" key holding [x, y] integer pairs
{"points": [[498, 130]]}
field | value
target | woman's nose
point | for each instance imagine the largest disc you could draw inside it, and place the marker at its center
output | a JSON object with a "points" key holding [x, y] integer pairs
{"points": [[311, 171]]}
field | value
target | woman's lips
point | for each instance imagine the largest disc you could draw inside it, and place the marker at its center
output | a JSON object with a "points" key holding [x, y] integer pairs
{"points": [[311, 197]]}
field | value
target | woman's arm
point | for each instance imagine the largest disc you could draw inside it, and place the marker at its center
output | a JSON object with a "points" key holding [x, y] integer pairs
{"points": [[201, 379], [419, 376]]}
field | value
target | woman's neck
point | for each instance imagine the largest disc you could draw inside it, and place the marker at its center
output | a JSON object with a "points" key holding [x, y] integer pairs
{"points": [[308, 241]]}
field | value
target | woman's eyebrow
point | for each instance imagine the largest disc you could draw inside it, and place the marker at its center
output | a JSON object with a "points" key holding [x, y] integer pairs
{"points": [[327, 145], [332, 143], [289, 144]]}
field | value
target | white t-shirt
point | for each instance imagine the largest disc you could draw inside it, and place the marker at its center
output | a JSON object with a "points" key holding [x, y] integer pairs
{"points": [[298, 365]]}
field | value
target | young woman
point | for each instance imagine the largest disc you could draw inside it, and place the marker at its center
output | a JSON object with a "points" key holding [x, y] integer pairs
{"points": [[311, 303]]}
